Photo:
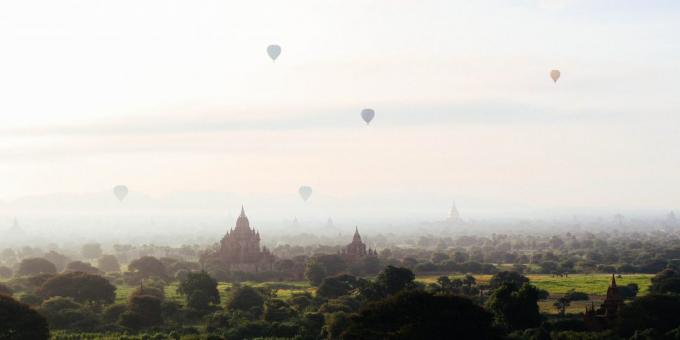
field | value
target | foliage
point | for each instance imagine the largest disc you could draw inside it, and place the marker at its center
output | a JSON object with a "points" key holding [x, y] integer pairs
{"points": [[35, 266], [5, 272], [79, 266], [515, 308], [65, 313], [18, 321], [108, 264], [200, 290], [656, 311], [315, 273], [667, 281], [146, 267], [4, 290], [144, 311], [91, 251], [509, 277], [246, 299], [333, 287], [420, 315], [82, 287], [573, 295]]}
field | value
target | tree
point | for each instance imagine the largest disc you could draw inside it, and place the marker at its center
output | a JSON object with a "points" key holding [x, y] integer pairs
{"points": [[573, 295], [57, 259], [395, 279], [629, 291], [35, 266], [420, 315], [336, 323], [371, 265], [469, 280], [516, 308], [510, 277], [656, 311], [4, 290], [333, 287], [18, 321], [199, 285], [150, 290], [666, 281], [277, 310], [561, 304], [246, 299], [144, 311], [82, 287], [112, 313], [147, 266], [332, 264], [108, 264], [314, 272], [549, 267], [79, 266], [65, 313], [6, 272], [91, 251]]}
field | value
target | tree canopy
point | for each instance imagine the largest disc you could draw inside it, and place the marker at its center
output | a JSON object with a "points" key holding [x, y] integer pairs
{"points": [[420, 315], [19, 322], [82, 287]]}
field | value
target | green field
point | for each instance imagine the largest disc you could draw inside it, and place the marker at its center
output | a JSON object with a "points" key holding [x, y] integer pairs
{"points": [[594, 285], [282, 290]]}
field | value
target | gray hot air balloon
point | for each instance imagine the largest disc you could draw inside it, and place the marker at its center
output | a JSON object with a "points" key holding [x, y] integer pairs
{"points": [[367, 115], [120, 191], [555, 74], [305, 192], [274, 51]]}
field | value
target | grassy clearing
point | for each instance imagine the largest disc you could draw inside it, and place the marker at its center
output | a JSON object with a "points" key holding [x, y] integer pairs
{"points": [[283, 290], [595, 285], [592, 284]]}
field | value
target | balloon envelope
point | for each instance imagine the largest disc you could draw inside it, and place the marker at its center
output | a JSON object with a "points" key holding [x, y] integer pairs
{"points": [[367, 115], [305, 192], [274, 51], [120, 191], [555, 74]]}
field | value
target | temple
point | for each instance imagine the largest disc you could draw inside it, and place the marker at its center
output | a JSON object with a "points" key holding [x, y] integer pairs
{"points": [[240, 248], [357, 249], [603, 317], [454, 215]]}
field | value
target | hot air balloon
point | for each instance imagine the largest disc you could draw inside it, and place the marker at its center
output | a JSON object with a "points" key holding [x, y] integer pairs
{"points": [[274, 51], [367, 115], [120, 191], [305, 192], [555, 74]]}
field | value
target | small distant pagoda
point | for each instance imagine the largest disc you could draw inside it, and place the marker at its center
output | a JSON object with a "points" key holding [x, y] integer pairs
{"points": [[603, 317], [15, 228], [454, 215]]}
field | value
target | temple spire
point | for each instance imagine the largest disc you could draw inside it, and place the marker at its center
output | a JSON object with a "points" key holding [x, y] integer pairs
{"points": [[243, 212], [357, 237], [613, 281]]}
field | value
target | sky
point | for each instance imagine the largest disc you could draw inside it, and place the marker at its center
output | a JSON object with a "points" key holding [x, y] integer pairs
{"points": [[169, 97]]}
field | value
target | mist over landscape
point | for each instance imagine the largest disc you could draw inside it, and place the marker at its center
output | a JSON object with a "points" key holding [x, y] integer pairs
{"points": [[339, 170]]}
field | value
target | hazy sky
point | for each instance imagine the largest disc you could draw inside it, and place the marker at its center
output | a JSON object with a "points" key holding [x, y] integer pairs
{"points": [[173, 96]]}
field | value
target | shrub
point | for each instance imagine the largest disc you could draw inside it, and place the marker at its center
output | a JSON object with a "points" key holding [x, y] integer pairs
{"points": [[572, 295]]}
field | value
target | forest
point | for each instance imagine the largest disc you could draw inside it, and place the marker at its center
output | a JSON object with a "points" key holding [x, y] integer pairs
{"points": [[497, 287]]}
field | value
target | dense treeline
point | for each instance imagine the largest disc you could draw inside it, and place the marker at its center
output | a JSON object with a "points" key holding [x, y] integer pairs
{"points": [[392, 306], [374, 297]]}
